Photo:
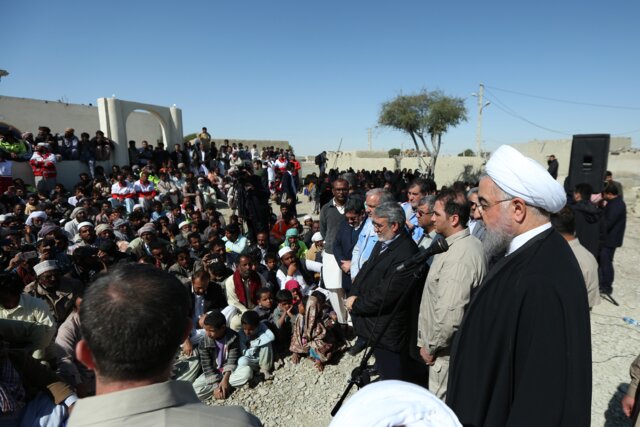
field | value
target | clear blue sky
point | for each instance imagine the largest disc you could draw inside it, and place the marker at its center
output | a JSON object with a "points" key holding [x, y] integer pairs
{"points": [[315, 72]]}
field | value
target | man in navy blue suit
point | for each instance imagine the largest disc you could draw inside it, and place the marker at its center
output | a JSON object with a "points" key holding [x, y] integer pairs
{"points": [[615, 218], [350, 228]]}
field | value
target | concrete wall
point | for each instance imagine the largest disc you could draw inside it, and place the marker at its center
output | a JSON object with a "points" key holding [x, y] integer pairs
{"points": [[27, 114]]}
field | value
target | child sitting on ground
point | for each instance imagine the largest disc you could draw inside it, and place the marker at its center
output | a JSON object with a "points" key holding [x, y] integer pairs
{"points": [[313, 332], [219, 351], [265, 304], [296, 291], [256, 349]]}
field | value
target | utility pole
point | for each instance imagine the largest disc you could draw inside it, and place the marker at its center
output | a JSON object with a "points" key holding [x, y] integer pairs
{"points": [[481, 106], [369, 138]]}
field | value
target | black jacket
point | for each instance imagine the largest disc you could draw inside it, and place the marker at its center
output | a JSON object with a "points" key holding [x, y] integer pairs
{"points": [[343, 245], [615, 218], [379, 289], [589, 225], [522, 356]]}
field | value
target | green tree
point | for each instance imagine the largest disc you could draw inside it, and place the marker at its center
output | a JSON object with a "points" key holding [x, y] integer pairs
{"points": [[425, 113], [467, 153], [189, 137]]}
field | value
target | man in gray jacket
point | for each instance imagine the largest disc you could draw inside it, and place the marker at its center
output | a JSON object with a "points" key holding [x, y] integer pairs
{"points": [[452, 276]]}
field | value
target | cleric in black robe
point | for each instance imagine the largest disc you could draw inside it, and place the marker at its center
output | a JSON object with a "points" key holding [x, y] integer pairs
{"points": [[523, 354]]}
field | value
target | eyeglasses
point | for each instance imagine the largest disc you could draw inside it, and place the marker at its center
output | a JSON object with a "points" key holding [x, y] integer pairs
{"points": [[378, 225], [483, 205], [421, 213]]}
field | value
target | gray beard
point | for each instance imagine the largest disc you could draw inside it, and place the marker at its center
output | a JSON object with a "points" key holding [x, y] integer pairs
{"points": [[496, 242]]}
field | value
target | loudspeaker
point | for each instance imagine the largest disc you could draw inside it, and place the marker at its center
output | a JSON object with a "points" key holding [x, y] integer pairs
{"points": [[589, 157]]}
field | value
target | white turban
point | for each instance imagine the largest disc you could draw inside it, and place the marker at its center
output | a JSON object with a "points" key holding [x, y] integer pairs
{"points": [[45, 266], [85, 224], [36, 214], [394, 403], [282, 252], [520, 176], [316, 237]]}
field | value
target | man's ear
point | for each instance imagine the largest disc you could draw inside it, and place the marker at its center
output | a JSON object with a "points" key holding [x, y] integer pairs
{"points": [[84, 355]]}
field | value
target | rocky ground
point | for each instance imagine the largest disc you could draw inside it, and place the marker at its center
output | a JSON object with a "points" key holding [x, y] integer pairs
{"points": [[299, 395]]}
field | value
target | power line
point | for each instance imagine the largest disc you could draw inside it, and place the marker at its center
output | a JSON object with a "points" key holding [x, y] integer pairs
{"points": [[502, 106], [566, 101]]}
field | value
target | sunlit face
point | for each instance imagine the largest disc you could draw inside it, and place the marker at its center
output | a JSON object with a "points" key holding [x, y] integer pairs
{"points": [[266, 300], [473, 206], [200, 286], [287, 259], [424, 216], [440, 218], [215, 333], [261, 240], [383, 228], [244, 266], [372, 202], [414, 195]]}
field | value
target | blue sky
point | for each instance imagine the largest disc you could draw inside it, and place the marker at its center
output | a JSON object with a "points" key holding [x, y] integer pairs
{"points": [[313, 73]]}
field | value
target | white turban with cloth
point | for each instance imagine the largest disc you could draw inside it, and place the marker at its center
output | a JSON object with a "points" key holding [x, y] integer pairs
{"points": [[525, 178], [394, 403], [35, 214]]}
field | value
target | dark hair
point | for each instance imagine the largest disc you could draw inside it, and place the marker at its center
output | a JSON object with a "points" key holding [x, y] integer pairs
{"points": [[319, 296], [133, 319], [215, 319], [355, 203], [427, 186], [611, 189], [262, 291], [250, 317], [452, 207], [270, 255], [284, 295], [564, 221], [585, 190], [10, 283], [194, 235], [233, 229]]}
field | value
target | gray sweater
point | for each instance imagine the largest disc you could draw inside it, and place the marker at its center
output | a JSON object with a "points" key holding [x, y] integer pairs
{"points": [[330, 219]]}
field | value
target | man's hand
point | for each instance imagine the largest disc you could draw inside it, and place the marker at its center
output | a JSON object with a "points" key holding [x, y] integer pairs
{"points": [[349, 302], [201, 321], [292, 269], [187, 347], [627, 404], [346, 266], [428, 359], [223, 389]]}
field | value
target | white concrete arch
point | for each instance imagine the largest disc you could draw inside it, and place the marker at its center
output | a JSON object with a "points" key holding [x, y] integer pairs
{"points": [[113, 114]]}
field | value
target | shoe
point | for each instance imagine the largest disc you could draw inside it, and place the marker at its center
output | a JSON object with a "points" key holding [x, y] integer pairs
{"points": [[356, 348], [606, 291]]}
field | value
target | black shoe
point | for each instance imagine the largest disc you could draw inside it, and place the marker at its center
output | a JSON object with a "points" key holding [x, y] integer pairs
{"points": [[606, 291], [356, 348]]}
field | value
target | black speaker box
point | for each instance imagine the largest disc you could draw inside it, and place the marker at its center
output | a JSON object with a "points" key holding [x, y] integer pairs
{"points": [[589, 157]]}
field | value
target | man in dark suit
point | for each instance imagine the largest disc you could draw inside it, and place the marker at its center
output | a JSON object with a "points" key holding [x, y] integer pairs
{"points": [[347, 237], [615, 218], [378, 289]]}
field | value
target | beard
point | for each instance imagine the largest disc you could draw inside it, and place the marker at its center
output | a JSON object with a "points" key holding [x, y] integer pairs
{"points": [[496, 240]]}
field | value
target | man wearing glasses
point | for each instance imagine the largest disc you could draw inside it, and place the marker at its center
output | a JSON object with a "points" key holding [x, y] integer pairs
{"points": [[378, 289], [522, 355]]}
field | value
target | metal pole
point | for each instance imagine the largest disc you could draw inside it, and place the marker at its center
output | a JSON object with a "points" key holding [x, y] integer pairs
{"points": [[479, 126], [369, 133]]}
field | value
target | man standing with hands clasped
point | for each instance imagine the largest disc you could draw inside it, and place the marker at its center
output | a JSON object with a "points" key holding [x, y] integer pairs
{"points": [[452, 277]]}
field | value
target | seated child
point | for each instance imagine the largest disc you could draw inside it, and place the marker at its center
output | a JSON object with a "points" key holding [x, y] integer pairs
{"points": [[313, 332], [219, 351], [271, 261], [256, 349], [282, 318], [294, 287], [265, 304]]}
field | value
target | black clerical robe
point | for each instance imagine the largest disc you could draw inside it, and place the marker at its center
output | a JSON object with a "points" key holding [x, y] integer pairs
{"points": [[523, 354]]}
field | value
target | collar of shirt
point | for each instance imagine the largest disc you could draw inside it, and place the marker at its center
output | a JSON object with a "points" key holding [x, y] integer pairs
{"points": [[457, 236], [523, 238], [386, 244], [340, 208]]}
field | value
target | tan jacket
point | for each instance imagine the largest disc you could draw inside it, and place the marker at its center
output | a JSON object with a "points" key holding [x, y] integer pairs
{"points": [[447, 291], [589, 267]]}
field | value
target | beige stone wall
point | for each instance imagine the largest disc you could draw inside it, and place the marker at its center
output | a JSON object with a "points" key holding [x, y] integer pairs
{"points": [[27, 114]]}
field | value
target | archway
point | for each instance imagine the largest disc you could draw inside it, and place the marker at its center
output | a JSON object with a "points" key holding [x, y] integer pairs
{"points": [[113, 115]]}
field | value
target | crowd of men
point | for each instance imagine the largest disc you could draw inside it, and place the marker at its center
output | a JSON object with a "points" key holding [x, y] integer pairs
{"points": [[135, 277]]}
